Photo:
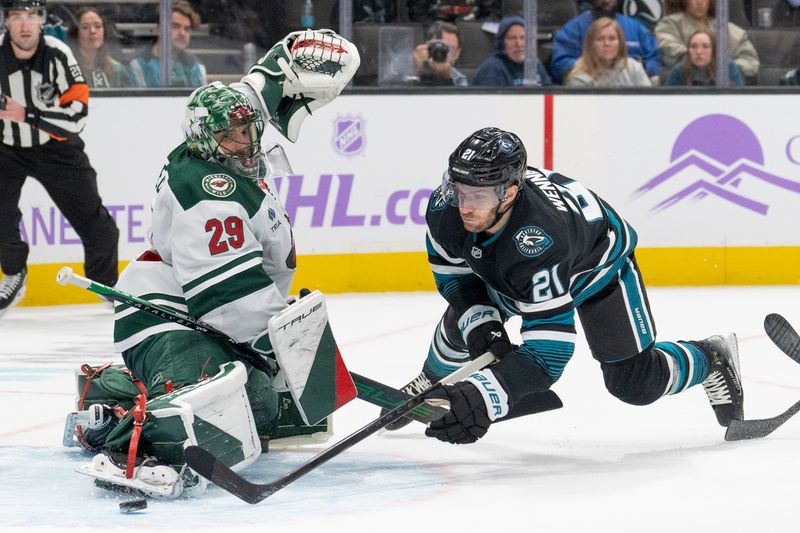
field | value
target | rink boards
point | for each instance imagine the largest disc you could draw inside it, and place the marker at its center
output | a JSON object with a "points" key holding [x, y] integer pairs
{"points": [[710, 182]]}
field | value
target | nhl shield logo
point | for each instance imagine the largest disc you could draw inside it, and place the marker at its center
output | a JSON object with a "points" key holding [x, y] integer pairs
{"points": [[532, 241], [45, 93], [348, 135]]}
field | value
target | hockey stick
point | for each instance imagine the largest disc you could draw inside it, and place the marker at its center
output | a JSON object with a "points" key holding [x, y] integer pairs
{"points": [[207, 465], [210, 467], [756, 429], [783, 335], [369, 390], [786, 338]]}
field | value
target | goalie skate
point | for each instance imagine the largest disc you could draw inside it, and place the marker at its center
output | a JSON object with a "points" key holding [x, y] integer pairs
{"points": [[150, 478]]}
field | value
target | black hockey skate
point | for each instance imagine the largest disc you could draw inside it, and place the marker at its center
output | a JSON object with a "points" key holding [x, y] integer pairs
{"points": [[416, 386], [12, 289], [723, 385]]}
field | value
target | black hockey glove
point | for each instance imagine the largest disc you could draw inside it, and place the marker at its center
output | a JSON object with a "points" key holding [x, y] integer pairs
{"points": [[467, 420], [489, 337]]}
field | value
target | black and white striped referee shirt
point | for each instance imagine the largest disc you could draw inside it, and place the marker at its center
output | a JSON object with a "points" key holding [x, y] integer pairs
{"points": [[51, 87]]}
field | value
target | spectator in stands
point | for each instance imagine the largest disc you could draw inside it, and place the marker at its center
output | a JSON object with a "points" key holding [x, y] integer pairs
{"points": [[507, 66], [791, 78], [648, 12], [569, 40], [673, 31], [90, 30], [604, 61], [187, 71], [699, 67], [434, 59]]}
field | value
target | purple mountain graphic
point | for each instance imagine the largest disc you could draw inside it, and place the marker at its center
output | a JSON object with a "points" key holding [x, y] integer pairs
{"points": [[692, 160], [734, 153], [700, 189]]}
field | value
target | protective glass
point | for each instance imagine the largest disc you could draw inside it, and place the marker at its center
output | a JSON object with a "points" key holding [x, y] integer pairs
{"points": [[471, 197]]}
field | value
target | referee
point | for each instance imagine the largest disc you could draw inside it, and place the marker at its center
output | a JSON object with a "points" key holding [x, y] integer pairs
{"points": [[44, 105]]}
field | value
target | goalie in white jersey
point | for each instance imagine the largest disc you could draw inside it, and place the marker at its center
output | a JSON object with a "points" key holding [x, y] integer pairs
{"points": [[222, 252]]}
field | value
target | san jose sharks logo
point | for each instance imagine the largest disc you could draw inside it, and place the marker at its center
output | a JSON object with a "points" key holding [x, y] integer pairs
{"points": [[715, 157], [438, 200], [532, 241]]}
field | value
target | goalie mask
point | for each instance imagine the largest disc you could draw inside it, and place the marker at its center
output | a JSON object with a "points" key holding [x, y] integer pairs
{"points": [[482, 168], [222, 126]]}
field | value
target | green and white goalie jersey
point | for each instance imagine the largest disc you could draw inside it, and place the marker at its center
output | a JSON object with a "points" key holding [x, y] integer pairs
{"points": [[222, 252]]}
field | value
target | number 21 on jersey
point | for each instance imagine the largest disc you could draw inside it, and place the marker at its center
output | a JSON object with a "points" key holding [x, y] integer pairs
{"points": [[546, 285]]}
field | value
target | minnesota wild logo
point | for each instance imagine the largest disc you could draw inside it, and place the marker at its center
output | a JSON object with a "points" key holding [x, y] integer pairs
{"points": [[219, 185]]}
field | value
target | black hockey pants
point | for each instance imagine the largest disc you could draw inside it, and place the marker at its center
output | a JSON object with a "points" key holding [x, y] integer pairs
{"points": [[63, 169]]}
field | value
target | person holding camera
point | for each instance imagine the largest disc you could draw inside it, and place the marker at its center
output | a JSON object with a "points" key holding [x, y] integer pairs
{"points": [[46, 101], [506, 67], [434, 59]]}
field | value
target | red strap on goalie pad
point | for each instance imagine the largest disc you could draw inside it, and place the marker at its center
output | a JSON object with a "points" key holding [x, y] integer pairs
{"points": [[139, 415]]}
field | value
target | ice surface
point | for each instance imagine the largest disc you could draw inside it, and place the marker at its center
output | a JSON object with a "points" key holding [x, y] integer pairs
{"points": [[597, 465]]}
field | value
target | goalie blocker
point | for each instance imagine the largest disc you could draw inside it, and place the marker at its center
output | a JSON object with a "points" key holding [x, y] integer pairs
{"points": [[311, 367]]}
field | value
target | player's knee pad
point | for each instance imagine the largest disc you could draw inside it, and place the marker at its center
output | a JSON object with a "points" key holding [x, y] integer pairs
{"points": [[448, 350], [637, 380], [449, 331]]}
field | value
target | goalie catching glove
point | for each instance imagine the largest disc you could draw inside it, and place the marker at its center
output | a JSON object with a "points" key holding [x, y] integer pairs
{"points": [[300, 74], [474, 404]]}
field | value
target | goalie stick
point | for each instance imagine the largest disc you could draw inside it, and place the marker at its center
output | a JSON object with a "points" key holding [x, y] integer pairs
{"points": [[369, 390], [786, 338], [204, 463]]}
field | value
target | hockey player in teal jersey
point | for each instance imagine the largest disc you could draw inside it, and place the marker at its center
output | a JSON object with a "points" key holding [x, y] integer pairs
{"points": [[506, 239], [222, 251]]}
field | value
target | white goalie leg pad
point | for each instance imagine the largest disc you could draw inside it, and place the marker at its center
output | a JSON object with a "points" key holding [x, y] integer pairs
{"points": [[219, 407], [214, 414], [156, 481]]}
